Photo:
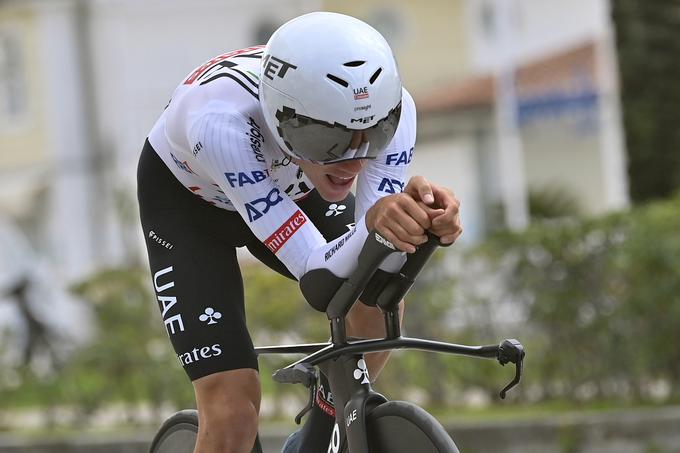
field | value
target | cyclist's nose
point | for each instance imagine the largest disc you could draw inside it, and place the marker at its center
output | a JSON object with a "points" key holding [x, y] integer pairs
{"points": [[351, 166]]}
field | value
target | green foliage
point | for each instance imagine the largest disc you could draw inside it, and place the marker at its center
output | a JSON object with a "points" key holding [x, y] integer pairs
{"points": [[425, 317], [552, 202], [545, 202], [128, 361], [648, 37], [600, 300], [275, 308], [596, 302]]}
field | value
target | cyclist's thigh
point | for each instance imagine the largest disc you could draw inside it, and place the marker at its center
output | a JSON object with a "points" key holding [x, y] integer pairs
{"points": [[195, 273]]}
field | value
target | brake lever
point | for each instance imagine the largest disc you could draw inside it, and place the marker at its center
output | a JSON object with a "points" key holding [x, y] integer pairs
{"points": [[511, 351], [309, 406], [302, 373]]}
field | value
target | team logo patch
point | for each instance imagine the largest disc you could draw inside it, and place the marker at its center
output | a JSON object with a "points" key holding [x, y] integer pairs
{"points": [[182, 165], [335, 209], [361, 373], [360, 93], [279, 237], [256, 139], [401, 158], [242, 178], [325, 401], [210, 315], [389, 185], [260, 206]]}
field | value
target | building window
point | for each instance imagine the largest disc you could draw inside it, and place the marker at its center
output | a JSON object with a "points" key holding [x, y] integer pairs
{"points": [[13, 96]]}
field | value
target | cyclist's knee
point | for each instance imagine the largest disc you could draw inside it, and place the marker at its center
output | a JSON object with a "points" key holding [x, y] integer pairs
{"points": [[228, 406], [238, 417]]}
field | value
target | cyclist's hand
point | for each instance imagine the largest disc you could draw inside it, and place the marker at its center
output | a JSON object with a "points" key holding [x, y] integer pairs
{"points": [[401, 220], [441, 205]]}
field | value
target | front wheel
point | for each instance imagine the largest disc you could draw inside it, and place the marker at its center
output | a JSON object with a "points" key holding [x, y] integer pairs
{"points": [[401, 427], [178, 434]]}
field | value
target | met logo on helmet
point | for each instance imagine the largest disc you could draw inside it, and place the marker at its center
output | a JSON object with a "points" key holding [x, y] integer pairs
{"points": [[364, 120], [275, 66]]}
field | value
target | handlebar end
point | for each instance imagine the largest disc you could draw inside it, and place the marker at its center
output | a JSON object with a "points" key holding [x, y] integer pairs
{"points": [[511, 351]]}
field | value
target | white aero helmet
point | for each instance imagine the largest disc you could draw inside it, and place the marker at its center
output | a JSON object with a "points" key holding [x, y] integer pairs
{"points": [[330, 88]]}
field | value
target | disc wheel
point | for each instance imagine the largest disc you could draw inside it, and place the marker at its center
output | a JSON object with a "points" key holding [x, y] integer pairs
{"points": [[401, 427]]}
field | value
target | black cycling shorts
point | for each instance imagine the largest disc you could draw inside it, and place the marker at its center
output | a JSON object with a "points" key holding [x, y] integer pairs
{"points": [[192, 254]]}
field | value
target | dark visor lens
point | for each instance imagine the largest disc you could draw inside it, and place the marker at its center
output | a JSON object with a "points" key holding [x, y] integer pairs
{"points": [[323, 142]]}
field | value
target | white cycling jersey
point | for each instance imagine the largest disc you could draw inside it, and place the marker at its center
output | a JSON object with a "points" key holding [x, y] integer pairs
{"points": [[214, 139]]}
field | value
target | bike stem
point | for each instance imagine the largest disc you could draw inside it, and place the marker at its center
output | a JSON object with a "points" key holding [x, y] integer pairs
{"points": [[373, 253]]}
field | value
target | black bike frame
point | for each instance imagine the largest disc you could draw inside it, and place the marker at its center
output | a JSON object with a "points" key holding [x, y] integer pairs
{"points": [[342, 361], [353, 395]]}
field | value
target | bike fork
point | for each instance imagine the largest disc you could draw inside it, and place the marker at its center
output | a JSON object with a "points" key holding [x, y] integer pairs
{"points": [[353, 397]]}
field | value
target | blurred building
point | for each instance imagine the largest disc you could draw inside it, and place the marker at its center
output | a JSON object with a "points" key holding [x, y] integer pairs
{"points": [[82, 81], [554, 62]]}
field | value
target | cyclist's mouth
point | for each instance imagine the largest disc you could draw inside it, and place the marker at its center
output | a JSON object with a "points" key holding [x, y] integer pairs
{"points": [[341, 181]]}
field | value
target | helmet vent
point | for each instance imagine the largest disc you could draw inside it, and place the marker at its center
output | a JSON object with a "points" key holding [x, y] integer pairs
{"points": [[353, 64], [338, 80], [375, 75]]}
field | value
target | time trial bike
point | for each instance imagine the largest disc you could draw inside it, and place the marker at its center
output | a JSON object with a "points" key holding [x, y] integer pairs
{"points": [[365, 420]]}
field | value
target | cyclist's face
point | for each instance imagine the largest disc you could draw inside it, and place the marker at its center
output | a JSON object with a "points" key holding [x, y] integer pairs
{"points": [[333, 181]]}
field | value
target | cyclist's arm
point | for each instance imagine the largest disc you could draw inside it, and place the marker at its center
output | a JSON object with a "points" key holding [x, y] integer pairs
{"points": [[386, 174], [272, 216]]}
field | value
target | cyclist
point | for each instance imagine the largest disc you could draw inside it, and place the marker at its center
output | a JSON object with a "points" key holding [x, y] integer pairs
{"points": [[260, 147]]}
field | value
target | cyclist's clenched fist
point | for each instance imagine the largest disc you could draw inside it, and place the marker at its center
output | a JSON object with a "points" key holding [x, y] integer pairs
{"points": [[404, 218], [400, 219], [441, 205]]}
